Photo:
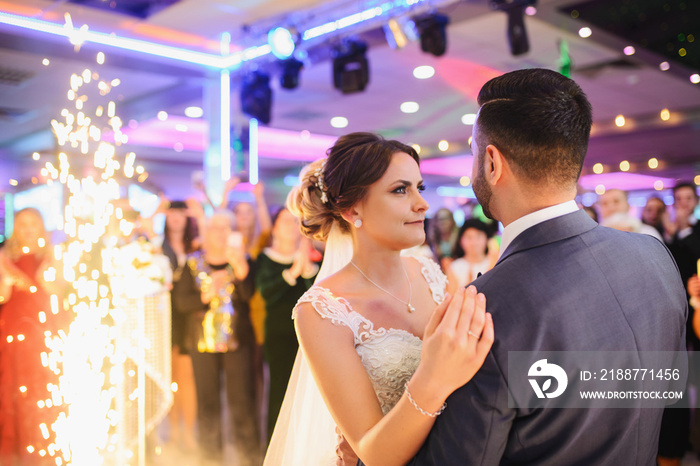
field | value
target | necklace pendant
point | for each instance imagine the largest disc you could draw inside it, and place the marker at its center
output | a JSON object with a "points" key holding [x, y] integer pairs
{"points": [[411, 309]]}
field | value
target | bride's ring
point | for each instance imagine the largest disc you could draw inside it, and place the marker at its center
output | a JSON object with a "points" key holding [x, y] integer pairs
{"points": [[473, 334]]}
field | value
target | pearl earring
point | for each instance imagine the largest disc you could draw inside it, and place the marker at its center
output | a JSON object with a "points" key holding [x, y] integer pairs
{"points": [[357, 223]]}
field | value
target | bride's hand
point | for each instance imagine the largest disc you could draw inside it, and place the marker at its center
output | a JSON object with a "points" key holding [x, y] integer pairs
{"points": [[456, 341]]}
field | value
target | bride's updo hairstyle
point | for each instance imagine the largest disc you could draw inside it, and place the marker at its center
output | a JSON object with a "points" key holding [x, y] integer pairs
{"points": [[330, 186]]}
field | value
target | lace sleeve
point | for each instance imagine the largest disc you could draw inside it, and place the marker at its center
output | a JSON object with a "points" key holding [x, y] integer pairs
{"points": [[338, 311], [437, 280]]}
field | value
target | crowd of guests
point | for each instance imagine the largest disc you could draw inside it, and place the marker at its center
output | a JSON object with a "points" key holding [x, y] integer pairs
{"points": [[237, 274]]}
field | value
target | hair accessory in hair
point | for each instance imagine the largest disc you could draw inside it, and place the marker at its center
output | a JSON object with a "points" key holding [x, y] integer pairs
{"points": [[319, 182]]}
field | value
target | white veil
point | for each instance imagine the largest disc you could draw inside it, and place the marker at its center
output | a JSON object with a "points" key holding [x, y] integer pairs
{"points": [[305, 431]]}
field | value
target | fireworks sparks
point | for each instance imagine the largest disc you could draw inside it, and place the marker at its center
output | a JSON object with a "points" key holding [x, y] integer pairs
{"points": [[85, 357]]}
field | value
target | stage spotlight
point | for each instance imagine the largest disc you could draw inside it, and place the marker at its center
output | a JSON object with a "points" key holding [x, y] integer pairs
{"points": [[290, 73], [517, 35], [433, 37], [256, 96], [350, 66]]}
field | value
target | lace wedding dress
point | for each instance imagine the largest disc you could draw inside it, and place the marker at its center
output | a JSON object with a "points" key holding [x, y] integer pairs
{"points": [[390, 356]]}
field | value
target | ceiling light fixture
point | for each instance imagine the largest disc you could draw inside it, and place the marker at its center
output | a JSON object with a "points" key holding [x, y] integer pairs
{"points": [[517, 35], [290, 73], [469, 119], [256, 96], [194, 112], [409, 107], [350, 66], [433, 36], [423, 72], [281, 42], [339, 122], [585, 32]]}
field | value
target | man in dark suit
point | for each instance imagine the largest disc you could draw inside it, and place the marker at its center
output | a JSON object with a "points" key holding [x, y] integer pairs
{"points": [[563, 283], [682, 237]]}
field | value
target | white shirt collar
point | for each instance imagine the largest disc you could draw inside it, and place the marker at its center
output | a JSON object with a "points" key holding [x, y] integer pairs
{"points": [[530, 220]]}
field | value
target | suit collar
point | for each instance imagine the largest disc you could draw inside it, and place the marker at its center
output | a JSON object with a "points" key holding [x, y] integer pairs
{"points": [[550, 231]]}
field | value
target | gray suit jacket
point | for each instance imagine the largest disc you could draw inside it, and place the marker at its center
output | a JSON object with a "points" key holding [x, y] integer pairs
{"points": [[566, 284]]}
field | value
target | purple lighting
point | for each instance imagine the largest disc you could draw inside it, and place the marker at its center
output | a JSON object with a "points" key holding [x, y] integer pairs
{"points": [[273, 143], [624, 181], [454, 166]]}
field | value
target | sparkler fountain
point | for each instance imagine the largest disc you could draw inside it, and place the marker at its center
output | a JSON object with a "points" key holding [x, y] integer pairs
{"points": [[113, 361]]}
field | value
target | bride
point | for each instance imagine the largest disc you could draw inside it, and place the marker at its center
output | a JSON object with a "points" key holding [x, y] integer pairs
{"points": [[383, 342]]}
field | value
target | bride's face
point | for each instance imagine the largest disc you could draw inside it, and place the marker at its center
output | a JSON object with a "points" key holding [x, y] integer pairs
{"points": [[393, 210]]}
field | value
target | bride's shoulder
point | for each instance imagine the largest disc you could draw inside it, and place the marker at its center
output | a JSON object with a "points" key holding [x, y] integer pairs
{"points": [[322, 300], [428, 267], [432, 273]]}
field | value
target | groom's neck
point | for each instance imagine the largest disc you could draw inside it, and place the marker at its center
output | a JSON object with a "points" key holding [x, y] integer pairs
{"points": [[524, 201]]}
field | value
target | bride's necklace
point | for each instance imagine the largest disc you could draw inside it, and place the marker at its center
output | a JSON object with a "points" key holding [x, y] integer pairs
{"points": [[410, 289]]}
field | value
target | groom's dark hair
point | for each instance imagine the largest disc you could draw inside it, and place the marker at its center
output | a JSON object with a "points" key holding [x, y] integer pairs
{"points": [[540, 120]]}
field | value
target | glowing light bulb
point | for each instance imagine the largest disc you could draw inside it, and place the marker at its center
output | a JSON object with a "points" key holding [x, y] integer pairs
{"points": [[409, 107], [469, 119], [194, 112], [423, 72], [339, 122], [598, 168]]}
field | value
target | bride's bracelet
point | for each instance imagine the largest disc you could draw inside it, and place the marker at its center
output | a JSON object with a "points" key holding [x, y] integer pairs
{"points": [[421, 410]]}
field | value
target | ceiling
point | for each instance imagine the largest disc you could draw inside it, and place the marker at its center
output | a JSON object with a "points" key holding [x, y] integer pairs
{"points": [[32, 94]]}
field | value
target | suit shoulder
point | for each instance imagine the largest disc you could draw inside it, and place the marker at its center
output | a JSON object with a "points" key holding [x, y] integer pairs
{"points": [[624, 241]]}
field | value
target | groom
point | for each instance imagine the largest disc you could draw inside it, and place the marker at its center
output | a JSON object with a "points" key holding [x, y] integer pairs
{"points": [[562, 283]]}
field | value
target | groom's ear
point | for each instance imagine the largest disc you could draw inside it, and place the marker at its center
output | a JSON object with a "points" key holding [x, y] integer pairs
{"points": [[494, 164]]}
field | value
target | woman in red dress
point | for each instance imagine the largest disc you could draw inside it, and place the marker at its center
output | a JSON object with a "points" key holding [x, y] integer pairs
{"points": [[27, 280]]}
